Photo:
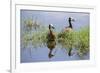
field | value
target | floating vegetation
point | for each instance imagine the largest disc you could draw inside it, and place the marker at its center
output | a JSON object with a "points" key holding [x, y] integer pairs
{"points": [[67, 39], [75, 39], [83, 41], [39, 38], [31, 24], [28, 23], [36, 38]]}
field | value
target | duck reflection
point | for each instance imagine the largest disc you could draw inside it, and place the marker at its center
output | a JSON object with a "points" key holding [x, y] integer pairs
{"points": [[51, 43], [70, 52]]}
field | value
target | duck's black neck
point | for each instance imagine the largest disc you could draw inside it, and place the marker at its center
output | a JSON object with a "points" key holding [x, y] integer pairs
{"points": [[50, 29], [70, 24]]}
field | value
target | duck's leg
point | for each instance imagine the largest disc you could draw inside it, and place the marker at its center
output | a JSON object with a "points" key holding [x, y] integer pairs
{"points": [[50, 55], [70, 52]]}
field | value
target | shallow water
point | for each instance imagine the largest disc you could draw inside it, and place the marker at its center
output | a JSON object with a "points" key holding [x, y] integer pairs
{"points": [[41, 55]]}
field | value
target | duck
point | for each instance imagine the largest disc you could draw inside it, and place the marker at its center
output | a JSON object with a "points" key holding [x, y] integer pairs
{"points": [[66, 29], [51, 43], [51, 35], [70, 27]]}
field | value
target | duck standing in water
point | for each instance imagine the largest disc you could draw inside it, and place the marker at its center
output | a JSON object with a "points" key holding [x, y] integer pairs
{"points": [[51, 43], [70, 27], [51, 35]]}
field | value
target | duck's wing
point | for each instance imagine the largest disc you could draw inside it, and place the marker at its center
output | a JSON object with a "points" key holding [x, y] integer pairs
{"points": [[68, 29]]}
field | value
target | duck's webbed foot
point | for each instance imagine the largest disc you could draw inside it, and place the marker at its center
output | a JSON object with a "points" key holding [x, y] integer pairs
{"points": [[51, 55]]}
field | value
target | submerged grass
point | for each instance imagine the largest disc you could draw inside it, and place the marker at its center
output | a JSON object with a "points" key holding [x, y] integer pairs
{"points": [[75, 39], [83, 41], [36, 38]]}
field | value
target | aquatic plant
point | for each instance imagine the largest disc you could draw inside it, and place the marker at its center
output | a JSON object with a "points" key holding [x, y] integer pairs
{"points": [[39, 38], [31, 24], [75, 39], [36, 38], [25, 40], [83, 41], [67, 39], [28, 23]]}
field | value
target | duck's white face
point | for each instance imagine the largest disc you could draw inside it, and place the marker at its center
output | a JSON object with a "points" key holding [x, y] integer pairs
{"points": [[52, 26]]}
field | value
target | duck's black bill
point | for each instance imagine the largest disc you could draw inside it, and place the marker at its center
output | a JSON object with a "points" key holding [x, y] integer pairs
{"points": [[53, 27], [73, 20]]}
